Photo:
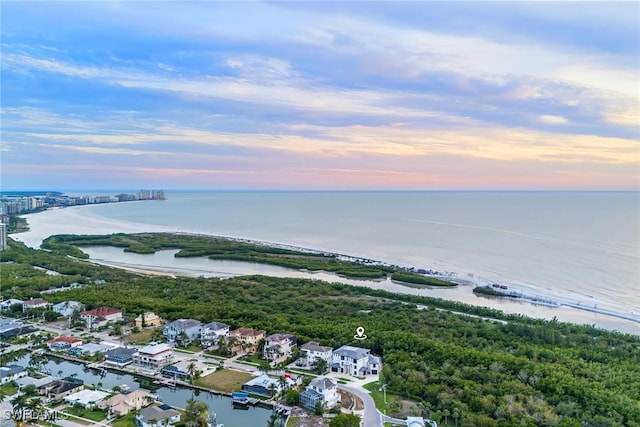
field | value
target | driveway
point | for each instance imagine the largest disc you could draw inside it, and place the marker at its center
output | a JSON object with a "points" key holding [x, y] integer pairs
{"points": [[371, 414]]}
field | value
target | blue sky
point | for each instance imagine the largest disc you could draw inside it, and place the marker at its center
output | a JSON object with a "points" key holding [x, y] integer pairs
{"points": [[320, 95]]}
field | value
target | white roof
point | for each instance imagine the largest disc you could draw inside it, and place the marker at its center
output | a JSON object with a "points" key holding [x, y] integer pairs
{"points": [[155, 348], [86, 397], [35, 381]]}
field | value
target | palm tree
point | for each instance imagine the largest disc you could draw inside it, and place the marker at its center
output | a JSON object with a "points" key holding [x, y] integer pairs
{"points": [[191, 370], [182, 339], [272, 389], [19, 404], [283, 384], [196, 413]]}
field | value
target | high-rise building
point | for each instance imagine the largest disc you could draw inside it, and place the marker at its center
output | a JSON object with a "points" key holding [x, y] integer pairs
{"points": [[3, 236]]}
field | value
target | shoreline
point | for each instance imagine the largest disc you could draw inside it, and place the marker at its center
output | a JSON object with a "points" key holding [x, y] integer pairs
{"points": [[76, 220]]}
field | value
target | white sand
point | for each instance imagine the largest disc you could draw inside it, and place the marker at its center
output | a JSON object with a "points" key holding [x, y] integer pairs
{"points": [[76, 220]]}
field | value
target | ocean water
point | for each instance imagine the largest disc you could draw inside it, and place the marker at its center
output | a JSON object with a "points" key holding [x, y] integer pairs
{"points": [[577, 246]]}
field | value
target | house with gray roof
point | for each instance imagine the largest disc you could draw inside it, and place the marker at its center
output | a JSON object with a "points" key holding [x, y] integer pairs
{"points": [[160, 415], [120, 356], [66, 308], [321, 390], [11, 373], [355, 361], [278, 347], [212, 332], [191, 329], [312, 351]]}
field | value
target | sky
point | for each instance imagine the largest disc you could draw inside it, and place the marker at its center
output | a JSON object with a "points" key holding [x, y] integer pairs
{"points": [[304, 95]]}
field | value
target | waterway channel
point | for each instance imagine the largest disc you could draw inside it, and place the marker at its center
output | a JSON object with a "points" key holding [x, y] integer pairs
{"points": [[220, 405], [164, 261]]}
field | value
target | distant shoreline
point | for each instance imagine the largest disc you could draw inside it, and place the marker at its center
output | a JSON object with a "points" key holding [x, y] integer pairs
{"points": [[75, 220]]}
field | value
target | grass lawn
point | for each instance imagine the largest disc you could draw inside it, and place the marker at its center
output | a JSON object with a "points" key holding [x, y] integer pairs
{"points": [[126, 421], [96, 415], [252, 359], [292, 421], [142, 337], [8, 389], [224, 380], [378, 396]]}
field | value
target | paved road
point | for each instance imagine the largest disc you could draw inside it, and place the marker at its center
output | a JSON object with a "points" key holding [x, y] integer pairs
{"points": [[371, 414]]}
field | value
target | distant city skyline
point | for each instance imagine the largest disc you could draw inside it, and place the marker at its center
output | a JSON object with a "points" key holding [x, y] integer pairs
{"points": [[321, 95]]}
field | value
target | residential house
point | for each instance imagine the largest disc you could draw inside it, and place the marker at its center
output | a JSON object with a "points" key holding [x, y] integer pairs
{"points": [[312, 351], [123, 403], [321, 390], [355, 361], [153, 356], [100, 316], [248, 339], [212, 332], [63, 342], [148, 319], [37, 382], [184, 331], [263, 385], [157, 416], [180, 370], [35, 303], [89, 349], [86, 398], [67, 308], [11, 373], [120, 356], [59, 388], [10, 328], [6, 304], [278, 347]]}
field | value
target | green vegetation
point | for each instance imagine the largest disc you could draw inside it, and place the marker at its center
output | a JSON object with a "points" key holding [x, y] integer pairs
{"points": [[8, 389], [419, 279], [17, 224], [485, 290], [128, 420], [90, 414], [459, 369], [378, 397], [224, 380], [221, 249], [345, 420]]}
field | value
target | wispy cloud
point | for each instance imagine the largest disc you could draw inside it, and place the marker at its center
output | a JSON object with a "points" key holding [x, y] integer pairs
{"points": [[403, 95]]}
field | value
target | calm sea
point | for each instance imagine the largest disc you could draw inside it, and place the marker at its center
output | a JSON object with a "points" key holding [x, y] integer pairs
{"points": [[579, 246]]}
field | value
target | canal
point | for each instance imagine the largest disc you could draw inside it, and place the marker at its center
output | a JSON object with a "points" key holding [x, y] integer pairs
{"points": [[220, 405]]}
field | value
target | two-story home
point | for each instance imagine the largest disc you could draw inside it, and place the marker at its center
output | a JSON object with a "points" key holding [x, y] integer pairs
{"points": [[355, 361], [66, 308], [35, 303], [148, 319], [212, 332], [153, 356], [248, 338], [312, 351], [100, 316], [321, 390], [183, 331], [278, 347]]}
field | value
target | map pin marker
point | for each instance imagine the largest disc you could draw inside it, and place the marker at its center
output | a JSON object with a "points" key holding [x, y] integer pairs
{"points": [[360, 333]]}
